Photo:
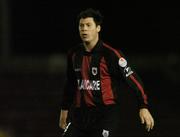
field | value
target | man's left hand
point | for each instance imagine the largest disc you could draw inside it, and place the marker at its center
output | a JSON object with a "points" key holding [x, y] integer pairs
{"points": [[146, 118]]}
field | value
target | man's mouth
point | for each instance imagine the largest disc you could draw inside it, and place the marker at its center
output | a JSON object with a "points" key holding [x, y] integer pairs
{"points": [[84, 35]]}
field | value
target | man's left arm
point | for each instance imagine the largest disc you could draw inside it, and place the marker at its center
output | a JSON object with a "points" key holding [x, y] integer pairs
{"points": [[135, 82]]}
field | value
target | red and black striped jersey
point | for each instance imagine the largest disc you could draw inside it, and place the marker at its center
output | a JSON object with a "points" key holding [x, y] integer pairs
{"points": [[94, 78]]}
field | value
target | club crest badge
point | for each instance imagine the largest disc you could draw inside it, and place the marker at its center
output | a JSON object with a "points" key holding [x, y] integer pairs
{"points": [[94, 71], [105, 133], [122, 62]]}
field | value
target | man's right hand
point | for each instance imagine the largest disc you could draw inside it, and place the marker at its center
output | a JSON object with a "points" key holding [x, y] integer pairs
{"points": [[63, 119]]}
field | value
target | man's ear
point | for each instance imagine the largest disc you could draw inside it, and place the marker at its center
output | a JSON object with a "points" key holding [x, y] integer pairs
{"points": [[98, 28]]}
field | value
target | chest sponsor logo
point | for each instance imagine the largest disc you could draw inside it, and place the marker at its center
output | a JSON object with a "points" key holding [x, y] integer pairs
{"points": [[88, 84]]}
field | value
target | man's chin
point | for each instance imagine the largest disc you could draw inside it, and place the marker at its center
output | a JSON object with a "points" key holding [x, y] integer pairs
{"points": [[86, 41]]}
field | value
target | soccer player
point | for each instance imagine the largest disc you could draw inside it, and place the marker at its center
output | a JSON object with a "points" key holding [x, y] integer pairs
{"points": [[95, 73]]}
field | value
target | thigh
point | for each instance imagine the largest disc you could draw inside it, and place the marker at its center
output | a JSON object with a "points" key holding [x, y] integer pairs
{"points": [[72, 131], [95, 133]]}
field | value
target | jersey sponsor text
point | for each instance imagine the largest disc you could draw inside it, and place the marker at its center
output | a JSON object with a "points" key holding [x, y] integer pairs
{"points": [[88, 84]]}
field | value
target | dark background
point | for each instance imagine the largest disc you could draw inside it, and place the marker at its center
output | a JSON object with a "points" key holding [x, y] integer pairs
{"points": [[35, 37]]}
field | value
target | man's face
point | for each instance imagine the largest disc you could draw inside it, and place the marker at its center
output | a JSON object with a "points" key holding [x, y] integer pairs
{"points": [[88, 29]]}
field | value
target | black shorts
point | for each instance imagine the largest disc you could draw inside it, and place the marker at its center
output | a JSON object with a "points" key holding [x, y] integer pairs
{"points": [[94, 121]]}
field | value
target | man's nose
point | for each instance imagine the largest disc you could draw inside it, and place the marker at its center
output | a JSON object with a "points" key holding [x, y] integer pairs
{"points": [[84, 28]]}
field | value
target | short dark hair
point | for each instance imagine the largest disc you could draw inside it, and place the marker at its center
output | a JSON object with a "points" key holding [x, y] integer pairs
{"points": [[95, 14]]}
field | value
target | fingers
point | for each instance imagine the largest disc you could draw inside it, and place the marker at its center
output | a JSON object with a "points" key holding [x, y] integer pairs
{"points": [[149, 123], [142, 120], [152, 123], [148, 126], [62, 125]]}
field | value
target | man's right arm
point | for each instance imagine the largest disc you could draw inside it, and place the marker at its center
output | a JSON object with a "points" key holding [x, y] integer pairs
{"points": [[68, 93]]}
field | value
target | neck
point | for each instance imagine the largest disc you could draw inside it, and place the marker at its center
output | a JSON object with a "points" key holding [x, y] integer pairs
{"points": [[90, 45]]}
